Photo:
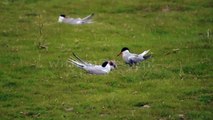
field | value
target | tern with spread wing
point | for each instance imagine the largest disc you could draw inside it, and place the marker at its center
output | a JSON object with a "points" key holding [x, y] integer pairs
{"points": [[131, 58], [63, 19], [105, 68]]}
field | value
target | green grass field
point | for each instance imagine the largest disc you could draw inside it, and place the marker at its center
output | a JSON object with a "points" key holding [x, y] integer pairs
{"points": [[36, 82]]}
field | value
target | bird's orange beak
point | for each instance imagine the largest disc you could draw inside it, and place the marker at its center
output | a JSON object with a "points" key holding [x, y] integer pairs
{"points": [[119, 54]]}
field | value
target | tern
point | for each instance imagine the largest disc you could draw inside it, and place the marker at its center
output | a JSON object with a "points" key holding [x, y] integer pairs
{"points": [[131, 58], [63, 19], [105, 68]]}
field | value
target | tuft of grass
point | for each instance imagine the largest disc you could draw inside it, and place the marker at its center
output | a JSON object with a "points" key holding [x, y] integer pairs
{"points": [[6, 97]]}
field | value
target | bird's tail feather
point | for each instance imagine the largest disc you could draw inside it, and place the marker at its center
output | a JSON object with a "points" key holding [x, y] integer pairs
{"points": [[79, 59], [76, 63], [144, 53], [88, 18]]}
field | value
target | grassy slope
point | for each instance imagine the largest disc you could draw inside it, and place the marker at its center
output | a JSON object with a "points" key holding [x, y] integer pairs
{"points": [[39, 84]]}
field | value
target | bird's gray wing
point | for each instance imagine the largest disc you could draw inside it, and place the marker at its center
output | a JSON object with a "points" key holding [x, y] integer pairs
{"points": [[133, 59]]}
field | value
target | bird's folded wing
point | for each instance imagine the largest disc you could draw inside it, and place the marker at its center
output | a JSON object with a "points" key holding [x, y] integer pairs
{"points": [[133, 59]]}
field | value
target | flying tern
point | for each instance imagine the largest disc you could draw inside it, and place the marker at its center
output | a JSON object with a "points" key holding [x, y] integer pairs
{"points": [[105, 68], [131, 58], [63, 19]]}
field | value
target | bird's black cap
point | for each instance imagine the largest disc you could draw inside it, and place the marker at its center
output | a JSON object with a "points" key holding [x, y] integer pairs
{"points": [[124, 48], [104, 64], [62, 15]]}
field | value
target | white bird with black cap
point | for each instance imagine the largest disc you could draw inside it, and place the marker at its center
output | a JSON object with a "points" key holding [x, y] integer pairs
{"points": [[77, 21], [105, 68], [132, 58]]}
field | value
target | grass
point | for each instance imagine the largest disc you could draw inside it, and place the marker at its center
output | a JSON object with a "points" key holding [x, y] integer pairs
{"points": [[37, 82]]}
